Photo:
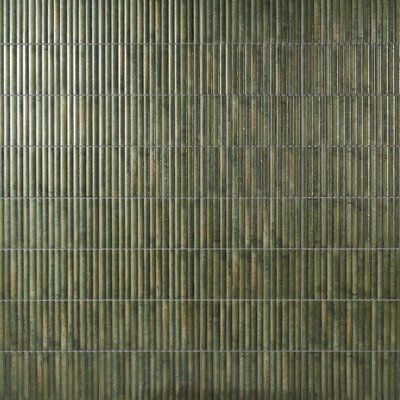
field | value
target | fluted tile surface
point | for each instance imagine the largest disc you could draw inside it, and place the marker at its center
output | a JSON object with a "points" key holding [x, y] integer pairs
{"points": [[199, 199]]}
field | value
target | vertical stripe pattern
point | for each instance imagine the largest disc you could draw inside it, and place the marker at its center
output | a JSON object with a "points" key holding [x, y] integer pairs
{"points": [[199, 199]]}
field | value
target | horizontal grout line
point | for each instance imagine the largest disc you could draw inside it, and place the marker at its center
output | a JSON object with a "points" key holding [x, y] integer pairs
{"points": [[206, 249], [189, 146], [203, 95], [271, 44], [194, 300], [203, 351], [198, 197]]}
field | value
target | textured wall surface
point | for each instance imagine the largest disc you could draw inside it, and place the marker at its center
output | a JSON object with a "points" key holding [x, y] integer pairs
{"points": [[199, 199]]}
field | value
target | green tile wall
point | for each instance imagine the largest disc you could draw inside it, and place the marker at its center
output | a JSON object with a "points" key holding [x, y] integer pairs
{"points": [[199, 199]]}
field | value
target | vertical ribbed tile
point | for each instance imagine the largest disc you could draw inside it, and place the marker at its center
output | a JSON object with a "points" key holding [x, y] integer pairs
{"points": [[199, 199]]}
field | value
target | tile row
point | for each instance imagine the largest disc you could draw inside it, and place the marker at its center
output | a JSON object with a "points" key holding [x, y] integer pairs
{"points": [[194, 120], [203, 70], [199, 275], [187, 374], [225, 326], [189, 172], [197, 21], [200, 223]]}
